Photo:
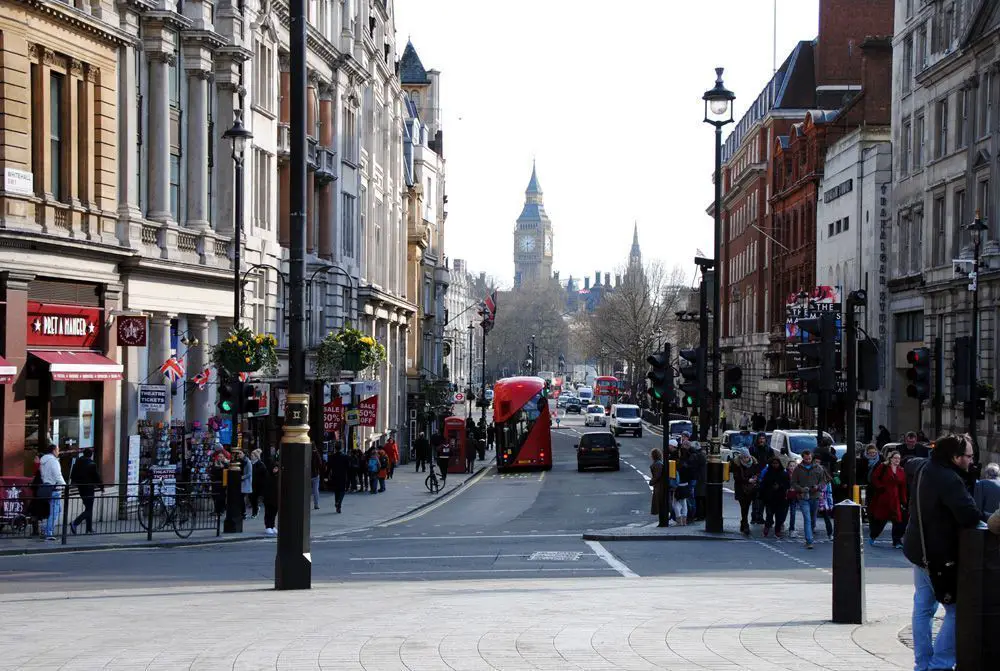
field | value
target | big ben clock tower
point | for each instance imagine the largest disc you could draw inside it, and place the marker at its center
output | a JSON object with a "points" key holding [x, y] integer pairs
{"points": [[532, 238]]}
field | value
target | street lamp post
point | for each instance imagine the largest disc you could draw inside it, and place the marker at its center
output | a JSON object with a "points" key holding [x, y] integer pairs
{"points": [[977, 228], [238, 135], [293, 559], [472, 328], [482, 380], [718, 113], [534, 356]]}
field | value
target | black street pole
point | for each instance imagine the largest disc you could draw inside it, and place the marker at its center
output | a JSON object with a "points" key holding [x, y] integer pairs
{"points": [[974, 345], [716, 315], [848, 591], [469, 390], [293, 561], [704, 413], [483, 381]]}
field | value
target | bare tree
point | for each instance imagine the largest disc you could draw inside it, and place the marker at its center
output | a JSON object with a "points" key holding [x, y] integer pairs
{"points": [[627, 320], [537, 310]]}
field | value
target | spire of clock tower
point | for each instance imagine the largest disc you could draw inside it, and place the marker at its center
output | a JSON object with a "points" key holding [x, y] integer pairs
{"points": [[533, 237], [635, 256]]}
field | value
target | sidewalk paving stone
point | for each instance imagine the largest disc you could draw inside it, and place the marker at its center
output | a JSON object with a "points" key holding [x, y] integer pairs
{"points": [[405, 493]]}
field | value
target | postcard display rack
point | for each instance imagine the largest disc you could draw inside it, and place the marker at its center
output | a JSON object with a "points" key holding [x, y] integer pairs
{"points": [[202, 443]]}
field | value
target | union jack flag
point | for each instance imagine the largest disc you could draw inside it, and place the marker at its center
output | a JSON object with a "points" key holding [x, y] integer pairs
{"points": [[488, 311], [201, 379], [244, 377], [173, 369]]}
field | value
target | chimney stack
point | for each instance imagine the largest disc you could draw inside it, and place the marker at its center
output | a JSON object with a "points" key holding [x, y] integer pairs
{"points": [[607, 280], [586, 283], [597, 278], [618, 280]]}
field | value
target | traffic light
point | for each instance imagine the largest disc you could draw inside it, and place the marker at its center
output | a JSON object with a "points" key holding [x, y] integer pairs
{"points": [[868, 368], [963, 361], [693, 372], [249, 405], [919, 374], [733, 381], [227, 398], [661, 377], [818, 347]]}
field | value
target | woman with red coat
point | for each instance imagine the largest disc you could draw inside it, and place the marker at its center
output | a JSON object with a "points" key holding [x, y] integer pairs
{"points": [[889, 482]]}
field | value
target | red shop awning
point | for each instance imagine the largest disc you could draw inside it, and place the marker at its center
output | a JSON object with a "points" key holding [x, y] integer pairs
{"points": [[79, 366], [7, 371]]}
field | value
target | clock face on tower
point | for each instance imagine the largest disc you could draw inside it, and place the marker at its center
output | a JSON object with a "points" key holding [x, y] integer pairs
{"points": [[548, 244], [527, 244]]}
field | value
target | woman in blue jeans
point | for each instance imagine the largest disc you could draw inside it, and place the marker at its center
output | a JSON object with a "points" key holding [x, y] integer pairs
{"points": [[52, 483]]}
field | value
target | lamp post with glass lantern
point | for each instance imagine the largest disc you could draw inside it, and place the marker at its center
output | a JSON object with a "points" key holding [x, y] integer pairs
{"points": [[977, 228], [469, 389], [238, 135], [718, 113]]}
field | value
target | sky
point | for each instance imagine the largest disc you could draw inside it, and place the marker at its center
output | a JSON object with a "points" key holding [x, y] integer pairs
{"points": [[606, 97]]}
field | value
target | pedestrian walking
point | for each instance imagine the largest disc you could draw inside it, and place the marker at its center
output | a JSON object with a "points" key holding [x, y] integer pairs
{"points": [[269, 490], [246, 482], [373, 467], [680, 487], [658, 481], [699, 464], [383, 468], [808, 480], [942, 506], [339, 469], [258, 484], [357, 473], [882, 437], [422, 452], [443, 457], [987, 491], [912, 448], [87, 479], [50, 488], [887, 499], [746, 480], [491, 435], [470, 454], [774, 484], [217, 473], [392, 451], [824, 508], [761, 452], [316, 472]]}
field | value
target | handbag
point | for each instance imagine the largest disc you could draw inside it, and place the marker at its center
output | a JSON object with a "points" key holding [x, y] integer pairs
{"points": [[943, 575]]}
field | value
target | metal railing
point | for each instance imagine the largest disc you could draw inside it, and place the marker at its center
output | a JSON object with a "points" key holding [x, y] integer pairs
{"points": [[160, 506]]}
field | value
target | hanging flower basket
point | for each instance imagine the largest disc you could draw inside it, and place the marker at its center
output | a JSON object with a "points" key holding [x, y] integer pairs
{"points": [[347, 349], [246, 352]]}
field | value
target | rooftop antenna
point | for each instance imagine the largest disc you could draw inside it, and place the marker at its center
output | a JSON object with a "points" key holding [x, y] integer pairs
{"points": [[774, 41]]}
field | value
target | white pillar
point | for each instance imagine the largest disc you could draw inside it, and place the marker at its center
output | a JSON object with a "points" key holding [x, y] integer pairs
{"points": [[159, 352], [197, 150], [199, 401], [158, 175]]}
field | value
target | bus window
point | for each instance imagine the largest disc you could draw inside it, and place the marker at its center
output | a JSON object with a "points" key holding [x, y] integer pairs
{"points": [[516, 429]]}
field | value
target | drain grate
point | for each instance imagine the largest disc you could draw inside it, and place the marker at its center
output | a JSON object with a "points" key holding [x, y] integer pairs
{"points": [[554, 556]]}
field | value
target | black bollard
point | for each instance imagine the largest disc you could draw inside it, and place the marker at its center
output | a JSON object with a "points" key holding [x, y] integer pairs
{"points": [[713, 495], [977, 610], [848, 564]]}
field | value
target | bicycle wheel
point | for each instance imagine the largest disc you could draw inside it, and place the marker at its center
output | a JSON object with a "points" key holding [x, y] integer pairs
{"points": [[433, 484], [183, 519]]}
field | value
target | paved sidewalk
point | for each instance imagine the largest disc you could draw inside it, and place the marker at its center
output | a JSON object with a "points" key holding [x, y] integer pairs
{"points": [[404, 494], [682, 623]]}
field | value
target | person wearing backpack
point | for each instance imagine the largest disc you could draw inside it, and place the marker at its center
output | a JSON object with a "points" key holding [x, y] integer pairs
{"points": [[383, 468], [372, 471]]}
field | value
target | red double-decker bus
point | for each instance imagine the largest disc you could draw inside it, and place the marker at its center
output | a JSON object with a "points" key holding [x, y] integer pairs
{"points": [[523, 425], [607, 388]]}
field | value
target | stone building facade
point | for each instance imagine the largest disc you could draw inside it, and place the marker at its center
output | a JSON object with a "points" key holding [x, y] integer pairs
{"points": [[946, 131]]}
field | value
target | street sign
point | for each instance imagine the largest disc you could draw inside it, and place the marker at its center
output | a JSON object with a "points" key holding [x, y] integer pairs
{"points": [[352, 417], [459, 397], [368, 411], [333, 415], [153, 397]]}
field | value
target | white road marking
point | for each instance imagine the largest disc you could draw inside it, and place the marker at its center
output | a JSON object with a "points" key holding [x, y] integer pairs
{"points": [[487, 556], [439, 538], [485, 570], [786, 555], [611, 560], [451, 496]]}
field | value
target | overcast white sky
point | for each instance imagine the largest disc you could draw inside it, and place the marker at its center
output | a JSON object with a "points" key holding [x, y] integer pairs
{"points": [[607, 97]]}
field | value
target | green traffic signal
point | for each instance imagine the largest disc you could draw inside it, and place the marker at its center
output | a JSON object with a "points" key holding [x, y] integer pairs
{"points": [[226, 406]]}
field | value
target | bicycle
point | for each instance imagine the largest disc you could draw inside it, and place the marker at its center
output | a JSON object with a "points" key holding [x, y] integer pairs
{"points": [[179, 513], [432, 483]]}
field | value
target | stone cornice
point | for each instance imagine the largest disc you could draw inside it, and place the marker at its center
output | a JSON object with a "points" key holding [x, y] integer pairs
{"points": [[136, 6], [56, 242], [69, 15], [207, 38], [237, 53], [166, 19]]}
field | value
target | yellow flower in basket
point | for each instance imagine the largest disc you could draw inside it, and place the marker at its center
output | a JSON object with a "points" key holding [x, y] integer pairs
{"points": [[247, 359]]}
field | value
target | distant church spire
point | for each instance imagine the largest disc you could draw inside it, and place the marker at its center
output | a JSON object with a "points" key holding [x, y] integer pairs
{"points": [[635, 255], [533, 194]]}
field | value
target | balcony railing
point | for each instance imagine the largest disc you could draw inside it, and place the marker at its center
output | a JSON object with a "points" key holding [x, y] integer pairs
{"points": [[326, 169], [311, 150]]}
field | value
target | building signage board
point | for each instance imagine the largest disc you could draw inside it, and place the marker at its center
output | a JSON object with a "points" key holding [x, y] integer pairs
{"points": [[132, 470], [882, 292], [262, 392], [822, 299], [66, 326], [368, 411], [153, 397], [87, 423], [333, 415], [132, 331], [353, 418], [18, 181]]}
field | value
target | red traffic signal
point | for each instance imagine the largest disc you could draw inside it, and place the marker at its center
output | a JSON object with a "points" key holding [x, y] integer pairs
{"points": [[919, 374], [921, 356]]}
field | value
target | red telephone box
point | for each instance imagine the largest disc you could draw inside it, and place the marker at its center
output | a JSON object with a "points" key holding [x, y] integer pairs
{"points": [[454, 435]]}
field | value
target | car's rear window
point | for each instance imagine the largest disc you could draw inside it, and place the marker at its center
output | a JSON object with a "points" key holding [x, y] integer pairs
{"points": [[597, 440]]}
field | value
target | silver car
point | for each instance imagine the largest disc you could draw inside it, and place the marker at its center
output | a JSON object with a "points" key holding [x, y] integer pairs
{"points": [[595, 416]]}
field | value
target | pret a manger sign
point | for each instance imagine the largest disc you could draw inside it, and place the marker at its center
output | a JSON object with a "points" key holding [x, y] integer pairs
{"points": [[67, 326]]}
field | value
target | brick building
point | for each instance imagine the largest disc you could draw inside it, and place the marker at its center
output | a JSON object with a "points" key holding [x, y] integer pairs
{"points": [[820, 74]]}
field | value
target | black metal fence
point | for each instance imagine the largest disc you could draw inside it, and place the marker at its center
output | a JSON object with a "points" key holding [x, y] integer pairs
{"points": [[138, 508]]}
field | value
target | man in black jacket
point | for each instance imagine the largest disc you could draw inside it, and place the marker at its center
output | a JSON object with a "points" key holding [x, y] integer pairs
{"points": [[86, 478], [339, 468], [422, 448], [940, 507]]}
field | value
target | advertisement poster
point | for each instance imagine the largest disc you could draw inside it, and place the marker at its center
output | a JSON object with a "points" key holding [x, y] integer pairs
{"points": [[281, 396], [225, 432], [132, 470], [367, 411], [333, 416], [87, 419], [165, 478], [153, 397]]}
